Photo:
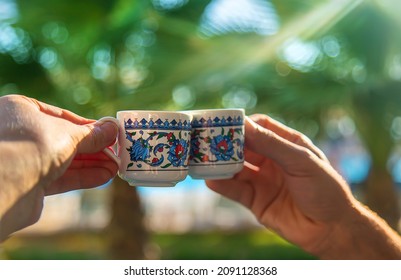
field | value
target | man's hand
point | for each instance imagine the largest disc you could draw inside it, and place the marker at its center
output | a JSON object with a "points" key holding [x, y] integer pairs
{"points": [[47, 150], [290, 186]]}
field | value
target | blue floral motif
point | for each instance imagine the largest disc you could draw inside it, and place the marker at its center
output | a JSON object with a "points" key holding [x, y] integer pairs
{"points": [[139, 151], [178, 152], [240, 151], [194, 148], [150, 150], [222, 147]]}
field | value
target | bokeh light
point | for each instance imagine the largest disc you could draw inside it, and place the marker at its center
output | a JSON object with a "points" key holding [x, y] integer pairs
{"points": [[82, 95], [394, 69], [331, 46], [101, 61], [8, 11], [56, 32], [240, 97], [300, 55], [48, 57], [240, 16], [183, 96], [168, 4]]}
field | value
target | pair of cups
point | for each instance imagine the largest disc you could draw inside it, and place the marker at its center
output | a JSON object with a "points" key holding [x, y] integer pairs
{"points": [[160, 148]]}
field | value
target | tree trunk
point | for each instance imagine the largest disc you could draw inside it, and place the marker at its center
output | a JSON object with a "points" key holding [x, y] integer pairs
{"points": [[381, 196], [127, 235]]}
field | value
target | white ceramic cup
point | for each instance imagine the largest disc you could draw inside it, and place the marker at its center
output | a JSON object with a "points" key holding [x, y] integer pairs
{"points": [[153, 147], [217, 143]]}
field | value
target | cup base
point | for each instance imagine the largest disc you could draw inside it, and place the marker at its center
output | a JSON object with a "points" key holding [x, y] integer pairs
{"points": [[149, 179], [212, 177], [151, 184], [215, 172]]}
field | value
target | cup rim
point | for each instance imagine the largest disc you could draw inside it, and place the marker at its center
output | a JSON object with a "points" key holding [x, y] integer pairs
{"points": [[153, 112], [214, 111]]}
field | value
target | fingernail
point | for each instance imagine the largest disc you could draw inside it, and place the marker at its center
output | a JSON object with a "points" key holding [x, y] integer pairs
{"points": [[108, 119], [109, 129]]}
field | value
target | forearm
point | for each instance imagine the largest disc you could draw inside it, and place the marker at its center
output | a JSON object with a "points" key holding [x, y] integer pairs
{"points": [[362, 235]]}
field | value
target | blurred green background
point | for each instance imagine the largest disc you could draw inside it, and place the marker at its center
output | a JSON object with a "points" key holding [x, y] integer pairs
{"points": [[331, 69]]}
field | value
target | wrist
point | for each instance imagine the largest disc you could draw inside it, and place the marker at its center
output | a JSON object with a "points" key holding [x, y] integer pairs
{"points": [[361, 234]]}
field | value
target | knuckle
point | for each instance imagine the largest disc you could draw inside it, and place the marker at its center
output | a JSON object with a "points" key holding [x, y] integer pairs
{"points": [[12, 99], [301, 139], [261, 119], [307, 154]]}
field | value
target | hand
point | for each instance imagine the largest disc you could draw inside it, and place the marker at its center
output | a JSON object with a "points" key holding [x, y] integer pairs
{"points": [[46, 150], [291, 188]]}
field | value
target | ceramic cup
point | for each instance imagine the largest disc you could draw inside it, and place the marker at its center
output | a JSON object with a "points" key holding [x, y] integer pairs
{"points": [[217, 143], [153, 147]]}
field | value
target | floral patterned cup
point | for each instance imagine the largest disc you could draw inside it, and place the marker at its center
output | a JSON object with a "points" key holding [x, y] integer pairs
{"points": [[217, 143], [153, 147]]}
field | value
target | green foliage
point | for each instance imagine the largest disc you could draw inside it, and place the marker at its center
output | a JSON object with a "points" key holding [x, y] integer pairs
{"points": [[227, 246], [97, 57], [167, 51], [250, 245]]}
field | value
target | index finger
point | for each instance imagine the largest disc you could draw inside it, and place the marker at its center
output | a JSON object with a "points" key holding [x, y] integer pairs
{"points": [[288, 133], [59, 112], [267, 143]]}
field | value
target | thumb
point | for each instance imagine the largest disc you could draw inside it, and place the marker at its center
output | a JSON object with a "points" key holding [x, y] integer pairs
{"points": [[94, 137]]}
